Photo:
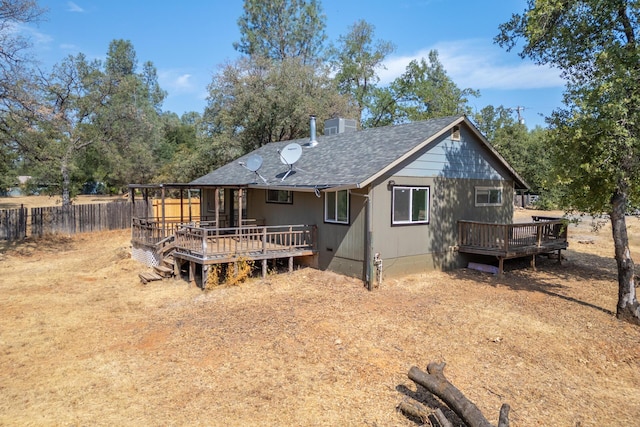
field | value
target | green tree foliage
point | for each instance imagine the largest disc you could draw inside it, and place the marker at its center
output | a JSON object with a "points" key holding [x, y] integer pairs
{"points": [[176, 152], [282, 29], [13, 58], [422, 92], [356, 59], [596, 137], [82, 117], [255, 101]]}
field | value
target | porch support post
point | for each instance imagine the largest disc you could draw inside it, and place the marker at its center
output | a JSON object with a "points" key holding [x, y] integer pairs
{"points": [[290, 264], [264, 268], [240, 196], [216, 197], [533, 261], [164, 221], [182, 206]]}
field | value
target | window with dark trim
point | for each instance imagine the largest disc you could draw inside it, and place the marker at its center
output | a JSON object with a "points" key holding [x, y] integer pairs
{"points": [[280, 196], [336, 206], [488, 196], [410, 205]]}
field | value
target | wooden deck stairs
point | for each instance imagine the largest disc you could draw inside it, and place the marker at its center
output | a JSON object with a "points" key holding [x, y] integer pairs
{"points": [[165, 249]]}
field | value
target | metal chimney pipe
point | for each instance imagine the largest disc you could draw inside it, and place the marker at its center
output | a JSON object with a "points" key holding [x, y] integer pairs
{"points": [[312, 124]]}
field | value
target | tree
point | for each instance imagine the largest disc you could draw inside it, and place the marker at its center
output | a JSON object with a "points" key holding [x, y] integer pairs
{"points": [[596, 137], [282, 29], [13, 60], [12, 43], [422, 92], [356, 60], [255, 101], [56, 118]]}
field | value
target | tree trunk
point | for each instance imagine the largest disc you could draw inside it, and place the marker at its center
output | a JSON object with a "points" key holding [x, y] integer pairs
{"points": [[435, 382], [628, 308], [66, 182]]}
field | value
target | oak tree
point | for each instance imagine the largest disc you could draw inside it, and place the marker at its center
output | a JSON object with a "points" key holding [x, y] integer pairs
{"points": [[356, 59], [596, 135]]}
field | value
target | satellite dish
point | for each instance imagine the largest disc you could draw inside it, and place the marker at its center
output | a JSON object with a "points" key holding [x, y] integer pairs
{"points": [[291, 153], [254, 162]]}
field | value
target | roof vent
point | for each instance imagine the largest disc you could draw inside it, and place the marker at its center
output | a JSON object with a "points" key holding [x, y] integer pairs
{"points": [[312, 140], [339, 125]]}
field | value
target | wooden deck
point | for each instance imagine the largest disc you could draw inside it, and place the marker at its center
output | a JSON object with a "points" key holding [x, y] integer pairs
{"points": [[203, 244], [506, 241]]}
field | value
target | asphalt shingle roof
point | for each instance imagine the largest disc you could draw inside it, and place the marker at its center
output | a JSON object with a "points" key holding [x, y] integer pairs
{"points": [[347, 159]]}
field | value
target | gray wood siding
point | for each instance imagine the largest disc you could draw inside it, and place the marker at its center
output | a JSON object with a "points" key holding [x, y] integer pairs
{"points": [[419, 247], [340, 246], [455, 159]]}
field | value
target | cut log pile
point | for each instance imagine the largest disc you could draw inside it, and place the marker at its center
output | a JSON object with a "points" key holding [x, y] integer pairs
{"points": [[437, 384]]}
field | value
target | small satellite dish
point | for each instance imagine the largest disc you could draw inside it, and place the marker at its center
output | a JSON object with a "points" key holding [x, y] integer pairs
{"points": [[291, 153], [254, 162]]}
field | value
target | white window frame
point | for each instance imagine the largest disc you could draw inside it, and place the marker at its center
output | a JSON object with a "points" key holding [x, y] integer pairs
{"points": [[411, 189], [288, 201], [334, 209], [487, 191]]}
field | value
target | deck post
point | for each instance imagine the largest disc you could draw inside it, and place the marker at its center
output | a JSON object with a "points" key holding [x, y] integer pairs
{"points": [[192, 272], [290, 237], [290, 264], [264, 268], [533, 261], [539, 235], [176, 268], [205, 275], [500, 265], [506, 237], [264, 240], [204, 243]]}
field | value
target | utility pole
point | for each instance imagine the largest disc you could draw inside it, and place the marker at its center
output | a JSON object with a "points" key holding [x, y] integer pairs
{"points": [[519, 111]]}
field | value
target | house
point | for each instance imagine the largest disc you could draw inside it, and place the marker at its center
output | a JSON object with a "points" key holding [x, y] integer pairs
{"points": [[396, 198]]}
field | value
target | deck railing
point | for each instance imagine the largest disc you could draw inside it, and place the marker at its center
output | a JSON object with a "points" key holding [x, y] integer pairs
{"points": [[511, 237], [207, 243], [150, 231]]}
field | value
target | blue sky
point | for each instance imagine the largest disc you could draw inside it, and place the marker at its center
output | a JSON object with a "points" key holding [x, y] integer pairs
{"points": [[187, 41]]}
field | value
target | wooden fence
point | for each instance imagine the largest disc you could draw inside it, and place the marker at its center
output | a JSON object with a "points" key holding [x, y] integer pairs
{"points": [[15, 224]]}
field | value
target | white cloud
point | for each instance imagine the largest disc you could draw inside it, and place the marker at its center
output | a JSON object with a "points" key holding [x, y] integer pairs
{"points": [[73, 7], [38, 38], [176, 82], [474, 64]]}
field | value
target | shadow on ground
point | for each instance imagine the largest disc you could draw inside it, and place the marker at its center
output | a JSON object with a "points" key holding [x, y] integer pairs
{"points": [[549, 276]]}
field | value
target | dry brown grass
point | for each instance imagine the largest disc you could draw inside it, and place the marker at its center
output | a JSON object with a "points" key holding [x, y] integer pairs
{"points": [[44, 201], [82, 342]]}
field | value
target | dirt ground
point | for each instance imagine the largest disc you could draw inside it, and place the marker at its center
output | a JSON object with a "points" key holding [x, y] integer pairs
{"points": [[83, 342]]}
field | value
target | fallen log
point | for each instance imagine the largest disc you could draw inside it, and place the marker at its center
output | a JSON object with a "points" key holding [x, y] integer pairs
{"points": [[435, 382], [419, 411]]}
